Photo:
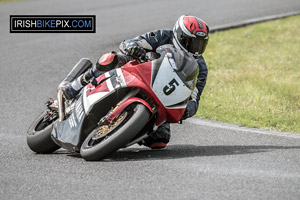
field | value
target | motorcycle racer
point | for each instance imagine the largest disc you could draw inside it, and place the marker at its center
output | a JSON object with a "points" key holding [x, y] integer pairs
{"points": [[189, 34]]}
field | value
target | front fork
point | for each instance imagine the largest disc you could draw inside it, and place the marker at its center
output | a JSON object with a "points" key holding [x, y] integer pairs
{"points": [[61, 102]]}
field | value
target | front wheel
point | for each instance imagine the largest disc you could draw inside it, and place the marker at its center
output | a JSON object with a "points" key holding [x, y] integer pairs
{"points": [[106, 139], [39, 135]]}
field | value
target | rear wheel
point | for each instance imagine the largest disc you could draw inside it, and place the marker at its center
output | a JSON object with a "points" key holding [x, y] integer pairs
{"points": [[39, 134], [106, 139]]}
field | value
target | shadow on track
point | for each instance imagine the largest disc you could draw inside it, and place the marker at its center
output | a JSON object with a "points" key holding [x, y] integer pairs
{"points": [[186, 151]]}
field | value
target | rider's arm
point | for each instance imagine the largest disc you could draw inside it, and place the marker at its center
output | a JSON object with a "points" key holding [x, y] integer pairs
{"points": [[193, 104], [150, 40]]}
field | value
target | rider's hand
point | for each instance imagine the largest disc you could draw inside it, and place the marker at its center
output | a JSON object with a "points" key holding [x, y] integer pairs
{"points": [[136, 52], [190, 110]]}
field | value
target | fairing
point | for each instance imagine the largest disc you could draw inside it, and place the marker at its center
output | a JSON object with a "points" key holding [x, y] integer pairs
{"points": [[67, 133], [71, 132]]}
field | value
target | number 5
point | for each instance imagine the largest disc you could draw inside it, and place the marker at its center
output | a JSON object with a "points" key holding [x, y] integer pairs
{"points": [[168, 89]]}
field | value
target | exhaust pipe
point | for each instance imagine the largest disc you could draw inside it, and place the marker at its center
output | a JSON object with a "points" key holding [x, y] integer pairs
{"points": [[82, 66]]}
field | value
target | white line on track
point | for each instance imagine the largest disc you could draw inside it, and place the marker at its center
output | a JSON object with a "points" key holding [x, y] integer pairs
{"points": [[252, 21], [233, 127]]}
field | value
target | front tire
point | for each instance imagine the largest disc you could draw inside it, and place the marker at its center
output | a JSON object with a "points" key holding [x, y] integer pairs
{"points": [[125, 128], [39, 135]]}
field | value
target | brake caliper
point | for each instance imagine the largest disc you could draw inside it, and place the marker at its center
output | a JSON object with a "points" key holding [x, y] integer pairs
{"points": [[105, 128]]}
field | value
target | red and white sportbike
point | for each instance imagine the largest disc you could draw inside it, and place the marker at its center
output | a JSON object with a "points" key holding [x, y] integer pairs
{"points": [[121, 108]]}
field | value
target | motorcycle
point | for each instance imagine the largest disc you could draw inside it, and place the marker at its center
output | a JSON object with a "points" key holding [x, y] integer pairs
{"points": [[120, 108]]}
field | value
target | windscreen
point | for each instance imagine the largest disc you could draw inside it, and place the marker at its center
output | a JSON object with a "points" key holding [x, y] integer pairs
{"points": [[183, 63]]}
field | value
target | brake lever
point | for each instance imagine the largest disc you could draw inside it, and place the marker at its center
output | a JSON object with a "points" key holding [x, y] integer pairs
{"points": [[145, 59], [140, 60]]}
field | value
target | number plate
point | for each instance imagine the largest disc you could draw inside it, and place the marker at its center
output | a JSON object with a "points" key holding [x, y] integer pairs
{"points": [[168, 87]]}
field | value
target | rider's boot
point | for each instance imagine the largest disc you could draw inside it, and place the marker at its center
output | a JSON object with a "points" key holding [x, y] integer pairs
{"points": [[160, 138], [70, 91], [105, 63]]}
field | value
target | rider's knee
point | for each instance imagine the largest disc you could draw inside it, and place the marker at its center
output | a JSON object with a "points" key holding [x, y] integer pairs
{"points": [[107, 62]]}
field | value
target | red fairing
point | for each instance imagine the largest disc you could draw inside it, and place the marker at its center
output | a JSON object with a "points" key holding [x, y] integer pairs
{"points": [[126, 103], [101, 88], [139, 76], [143, 70], [142, 79], [174, 115], [194, 25]]}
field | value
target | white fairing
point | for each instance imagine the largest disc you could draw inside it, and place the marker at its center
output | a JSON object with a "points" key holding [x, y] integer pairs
{"points": [[164, 83], [89, 101], [92, 99]]}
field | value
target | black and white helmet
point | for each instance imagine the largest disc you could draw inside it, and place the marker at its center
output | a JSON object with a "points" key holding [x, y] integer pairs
{"points": [[191, 35]]}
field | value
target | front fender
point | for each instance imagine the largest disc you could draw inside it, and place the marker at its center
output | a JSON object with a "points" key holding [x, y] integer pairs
{"points": [[125, 104]]}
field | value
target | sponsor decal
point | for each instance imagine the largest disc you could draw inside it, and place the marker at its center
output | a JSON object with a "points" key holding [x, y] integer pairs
{"points": [[199, 23], [79, 109], [78, 113], [202, 34], [52, 23], [72, 121]]}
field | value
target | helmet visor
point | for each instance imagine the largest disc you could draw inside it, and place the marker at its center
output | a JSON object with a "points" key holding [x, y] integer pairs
{"points": [[193, 45]]}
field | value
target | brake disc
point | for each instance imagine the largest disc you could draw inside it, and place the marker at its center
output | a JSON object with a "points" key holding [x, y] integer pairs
{"points": [[107, 128]]}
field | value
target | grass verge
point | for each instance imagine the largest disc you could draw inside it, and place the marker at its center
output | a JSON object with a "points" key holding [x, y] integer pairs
{"points": [[254, 76], [7, 1]]}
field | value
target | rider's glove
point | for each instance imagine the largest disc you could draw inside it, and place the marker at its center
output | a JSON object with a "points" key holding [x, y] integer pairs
{"points": [[136, 52], [191, 109]]}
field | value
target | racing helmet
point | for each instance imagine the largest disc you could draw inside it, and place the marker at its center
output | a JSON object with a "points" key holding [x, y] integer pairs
{"points": [[191, 35]]}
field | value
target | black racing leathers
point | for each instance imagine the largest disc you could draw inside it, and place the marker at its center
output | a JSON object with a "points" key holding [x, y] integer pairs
{"points": [[151, 40]]}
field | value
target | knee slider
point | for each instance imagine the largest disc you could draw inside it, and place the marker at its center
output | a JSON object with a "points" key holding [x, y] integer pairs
{"points": [[107, 62]]}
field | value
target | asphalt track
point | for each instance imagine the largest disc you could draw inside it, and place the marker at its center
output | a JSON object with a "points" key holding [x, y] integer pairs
{"points": [[205, 159]]}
